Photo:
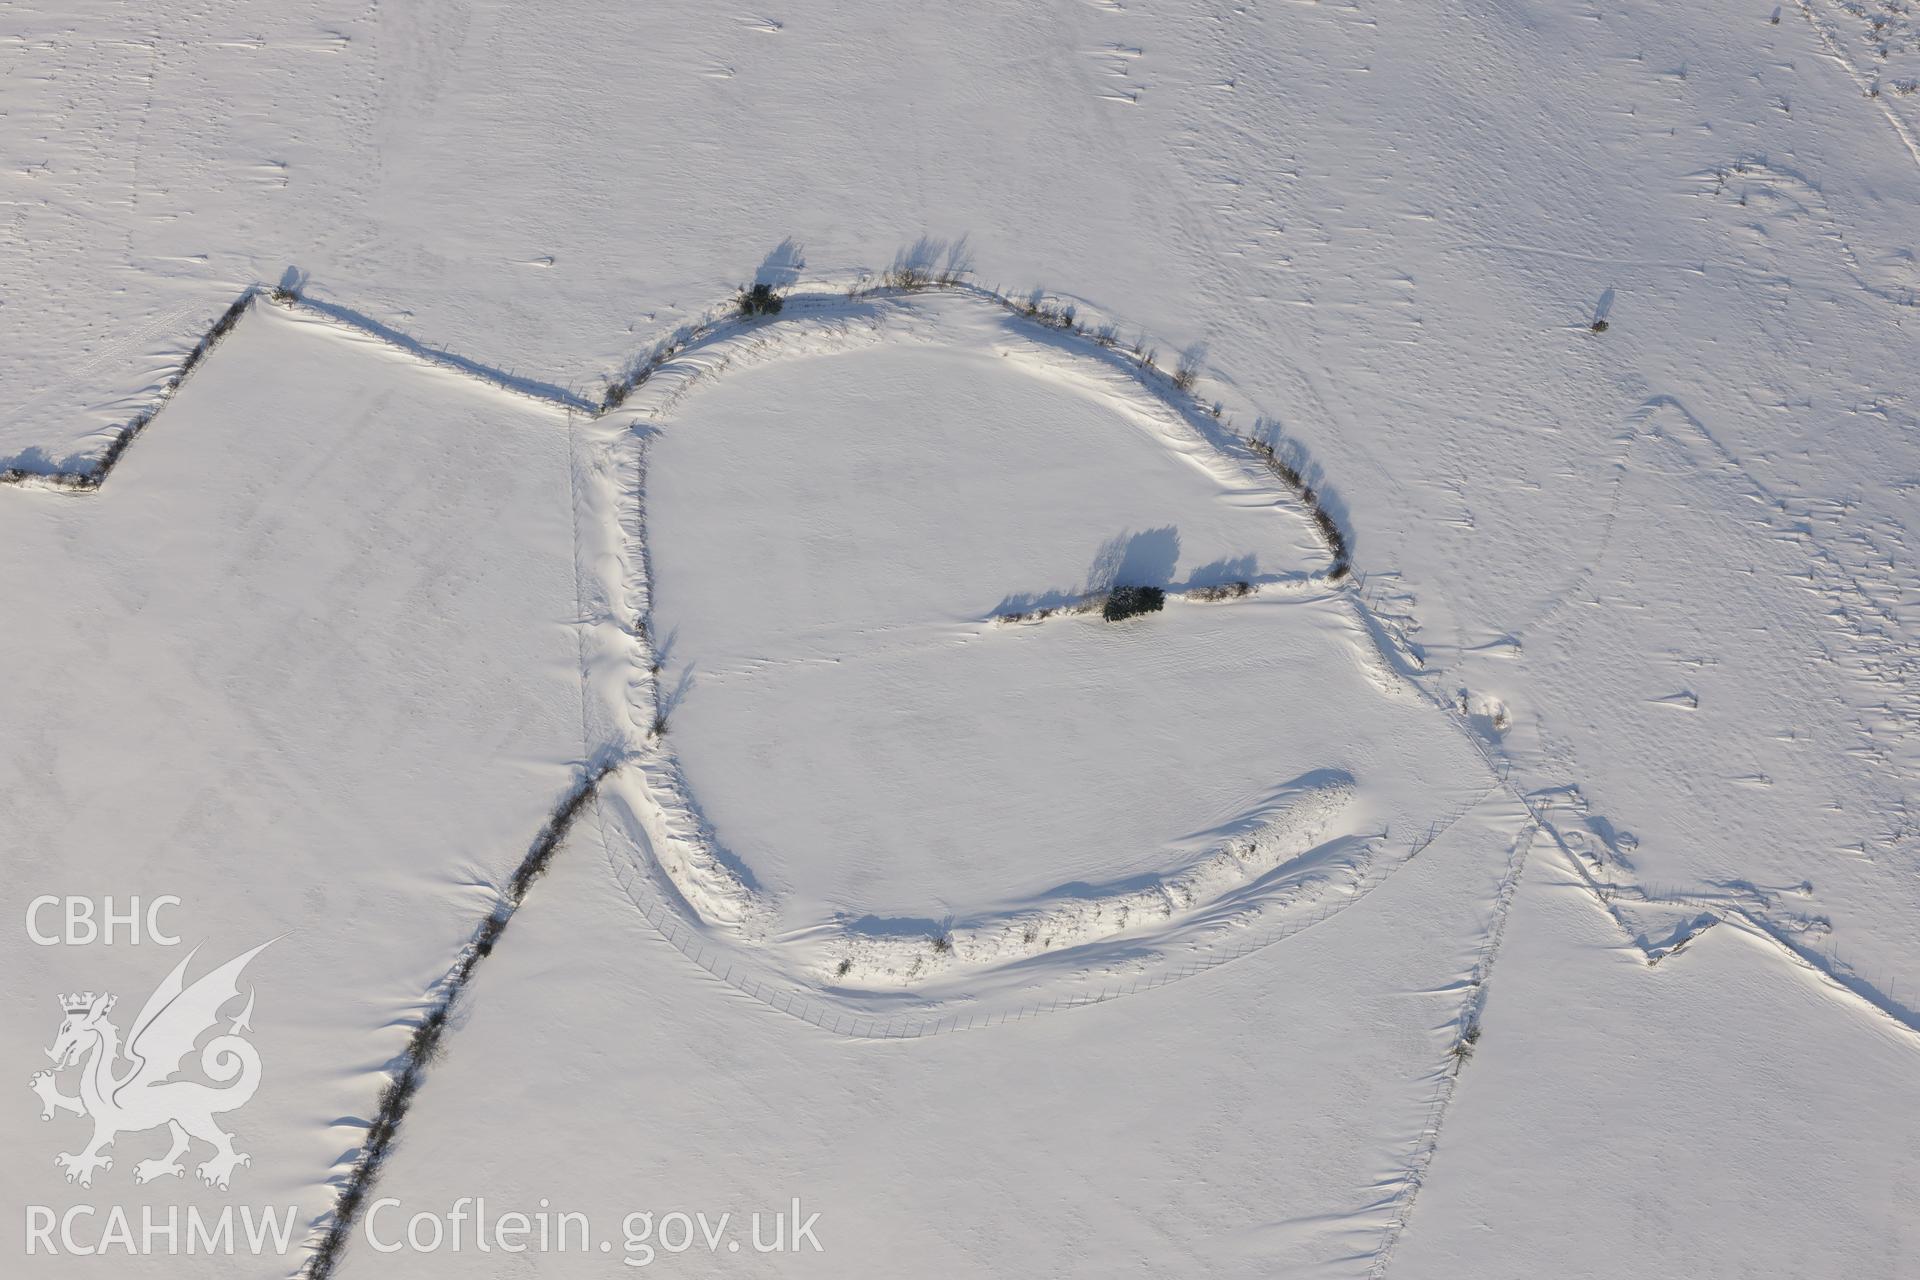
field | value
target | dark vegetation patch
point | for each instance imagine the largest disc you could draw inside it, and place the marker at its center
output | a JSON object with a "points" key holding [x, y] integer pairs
{"points": [[760, 300], [94, 476], [1128, 602], [424, 1047], [1221, 591], [1329, 528]]}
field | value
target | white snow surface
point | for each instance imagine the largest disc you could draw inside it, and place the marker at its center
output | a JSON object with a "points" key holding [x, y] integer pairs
{"points": [[1539, 899], [271, 672]]}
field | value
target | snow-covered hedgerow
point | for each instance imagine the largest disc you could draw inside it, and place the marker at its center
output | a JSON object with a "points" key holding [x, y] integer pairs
{"points": [[1291, 843]]}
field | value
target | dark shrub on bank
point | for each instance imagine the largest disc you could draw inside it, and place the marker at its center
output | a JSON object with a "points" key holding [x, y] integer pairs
{"points": [[1125, 602], [760, 300]]}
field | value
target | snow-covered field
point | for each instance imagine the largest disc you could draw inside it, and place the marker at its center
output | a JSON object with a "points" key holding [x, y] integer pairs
{"points": [[681, 761]]}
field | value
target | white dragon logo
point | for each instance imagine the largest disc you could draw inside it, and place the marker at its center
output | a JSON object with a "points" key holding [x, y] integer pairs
{"points": [[144, 1096]]}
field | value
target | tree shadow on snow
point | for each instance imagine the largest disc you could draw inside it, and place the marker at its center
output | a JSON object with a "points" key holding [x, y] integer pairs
{"points": [[782, 266]]}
